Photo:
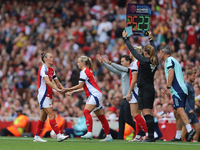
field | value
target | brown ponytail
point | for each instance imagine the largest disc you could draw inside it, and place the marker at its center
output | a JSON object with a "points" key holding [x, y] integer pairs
{"points": [[43, 55], [151, 52]]}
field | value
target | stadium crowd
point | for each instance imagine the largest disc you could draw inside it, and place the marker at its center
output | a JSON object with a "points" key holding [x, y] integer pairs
{"points": [[71, 28]]}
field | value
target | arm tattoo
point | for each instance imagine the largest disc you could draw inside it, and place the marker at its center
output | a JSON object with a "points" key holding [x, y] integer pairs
{"points": [[59, 86]]}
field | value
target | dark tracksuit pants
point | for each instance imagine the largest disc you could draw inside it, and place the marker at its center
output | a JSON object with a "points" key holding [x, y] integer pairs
{"points": [[124, 117]]}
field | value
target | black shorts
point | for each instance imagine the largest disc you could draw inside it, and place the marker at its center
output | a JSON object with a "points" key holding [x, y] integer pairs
{"points": [[146, 95]]}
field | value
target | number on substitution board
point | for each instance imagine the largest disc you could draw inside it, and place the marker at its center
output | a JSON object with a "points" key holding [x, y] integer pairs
{"points": [[138, 22]]}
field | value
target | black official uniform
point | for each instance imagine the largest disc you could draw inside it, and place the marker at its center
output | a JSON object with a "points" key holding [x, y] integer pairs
{"points": [[145, 77], [145, 83]]}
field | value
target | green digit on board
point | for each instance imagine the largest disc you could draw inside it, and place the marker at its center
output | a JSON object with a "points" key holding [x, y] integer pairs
{"points": [[147, 23], [140, 23]]}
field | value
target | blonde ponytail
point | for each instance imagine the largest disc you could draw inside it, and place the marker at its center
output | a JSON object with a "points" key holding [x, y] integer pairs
{"points": [[151, 52], [91, 64], [138, 49], [88, 62]]}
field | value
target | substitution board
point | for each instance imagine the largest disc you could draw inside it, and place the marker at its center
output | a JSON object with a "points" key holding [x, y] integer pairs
{"points": [[138, 18]]}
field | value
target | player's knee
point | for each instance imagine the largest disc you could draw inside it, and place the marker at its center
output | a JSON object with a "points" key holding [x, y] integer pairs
{"points": [[43, 118], [180, 110], [52, 116], [133, 114], [197, 128]]}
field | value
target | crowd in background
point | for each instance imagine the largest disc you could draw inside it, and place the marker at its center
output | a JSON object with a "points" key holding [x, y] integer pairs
{"points": [[71, 28]]}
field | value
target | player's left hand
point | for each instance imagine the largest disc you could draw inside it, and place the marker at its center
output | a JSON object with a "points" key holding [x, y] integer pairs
{"points": [[64, 90], [191, 112], [105, 58], [150, 34], [167, 91]]}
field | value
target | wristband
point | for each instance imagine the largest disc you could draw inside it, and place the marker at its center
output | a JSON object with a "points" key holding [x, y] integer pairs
{"points": [[110, 62], [168, 87], [150, 38], [124, 38]]}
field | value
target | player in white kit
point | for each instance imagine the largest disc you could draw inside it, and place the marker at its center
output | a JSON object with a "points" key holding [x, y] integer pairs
{"points": [[88, 84], [132, 97], [45, 76]]}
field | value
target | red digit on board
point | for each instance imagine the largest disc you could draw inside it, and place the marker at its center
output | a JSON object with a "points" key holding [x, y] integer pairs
{"points": [[133, 22], [129, 22]]}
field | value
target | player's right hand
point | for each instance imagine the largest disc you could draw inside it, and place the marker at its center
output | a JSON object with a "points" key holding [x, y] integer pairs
{"points": [[124, 34], [150, 34], [98, 57], [59, 90], [64, 90], [128, 97]]}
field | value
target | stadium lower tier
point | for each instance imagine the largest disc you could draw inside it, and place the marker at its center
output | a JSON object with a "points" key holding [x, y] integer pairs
{"points": [[168, 129]]}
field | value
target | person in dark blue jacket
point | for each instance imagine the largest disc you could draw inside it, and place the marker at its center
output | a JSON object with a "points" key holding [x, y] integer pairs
{"points": [[190, 106]]}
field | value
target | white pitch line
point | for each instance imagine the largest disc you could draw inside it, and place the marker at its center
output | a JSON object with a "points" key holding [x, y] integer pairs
{"points": [[115, 141], [172, 143], [163, 143], [15, 138]]}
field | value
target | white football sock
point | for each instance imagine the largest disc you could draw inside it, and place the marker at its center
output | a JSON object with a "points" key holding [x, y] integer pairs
{"points": [[188, 127], [178, 134]]}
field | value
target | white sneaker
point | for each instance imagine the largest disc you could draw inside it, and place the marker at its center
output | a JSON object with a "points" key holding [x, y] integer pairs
{"points": [[62, 137], [107, 139], [135, 140], [87, 136], [38, 139]]}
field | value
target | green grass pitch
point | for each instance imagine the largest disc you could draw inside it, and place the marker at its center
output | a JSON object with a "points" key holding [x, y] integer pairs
{"points": [[14, 143]]}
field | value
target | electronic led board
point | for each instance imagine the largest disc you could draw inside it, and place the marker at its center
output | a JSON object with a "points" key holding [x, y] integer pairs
{"points": [[138, 18]]}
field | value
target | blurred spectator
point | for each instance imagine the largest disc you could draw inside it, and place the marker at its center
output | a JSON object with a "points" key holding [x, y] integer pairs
{"points": [[197, 92], [79, 34], [192, 29], [159, 110], [161, 31], [111, 114], [103, 29], [164, 109], [18, 126], [169, 114], [79, 128], [170, 111]]}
